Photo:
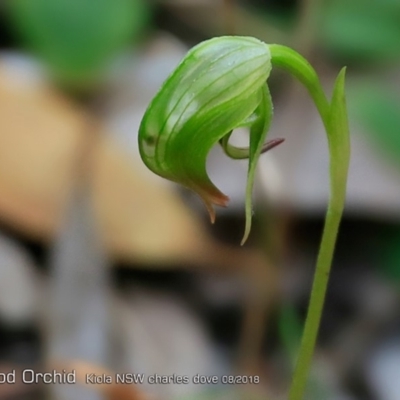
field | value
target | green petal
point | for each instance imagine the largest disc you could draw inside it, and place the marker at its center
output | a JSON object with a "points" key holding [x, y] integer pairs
{"points": [[258, 133]]}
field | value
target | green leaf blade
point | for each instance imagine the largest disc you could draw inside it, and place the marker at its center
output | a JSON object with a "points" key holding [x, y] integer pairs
{"points": [[339, 138]]}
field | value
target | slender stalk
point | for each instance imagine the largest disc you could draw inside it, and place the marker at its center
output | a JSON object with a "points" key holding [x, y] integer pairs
{"points": [[334, 118], [316, 304]]}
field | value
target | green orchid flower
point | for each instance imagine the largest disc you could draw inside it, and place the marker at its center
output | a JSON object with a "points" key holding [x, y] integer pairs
{"points": [[219, 86]]}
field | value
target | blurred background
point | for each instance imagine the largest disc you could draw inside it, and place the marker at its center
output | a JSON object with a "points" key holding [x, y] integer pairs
{"points": [[105, 267]]}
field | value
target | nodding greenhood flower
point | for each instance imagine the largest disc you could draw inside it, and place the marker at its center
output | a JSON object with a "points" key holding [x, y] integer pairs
{"points": [[219, 86]]}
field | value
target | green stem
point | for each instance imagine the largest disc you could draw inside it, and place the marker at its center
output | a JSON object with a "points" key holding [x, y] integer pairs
{"points": [[316, 304], [334, 118]]}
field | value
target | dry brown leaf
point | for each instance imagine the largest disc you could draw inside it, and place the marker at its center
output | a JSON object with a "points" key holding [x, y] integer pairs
{"points": [[40, 135]]}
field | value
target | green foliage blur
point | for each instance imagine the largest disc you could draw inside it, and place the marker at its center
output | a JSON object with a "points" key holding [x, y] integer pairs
{"points": [[377, 108], [360, 31], [76, 38], [365, 34]]}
